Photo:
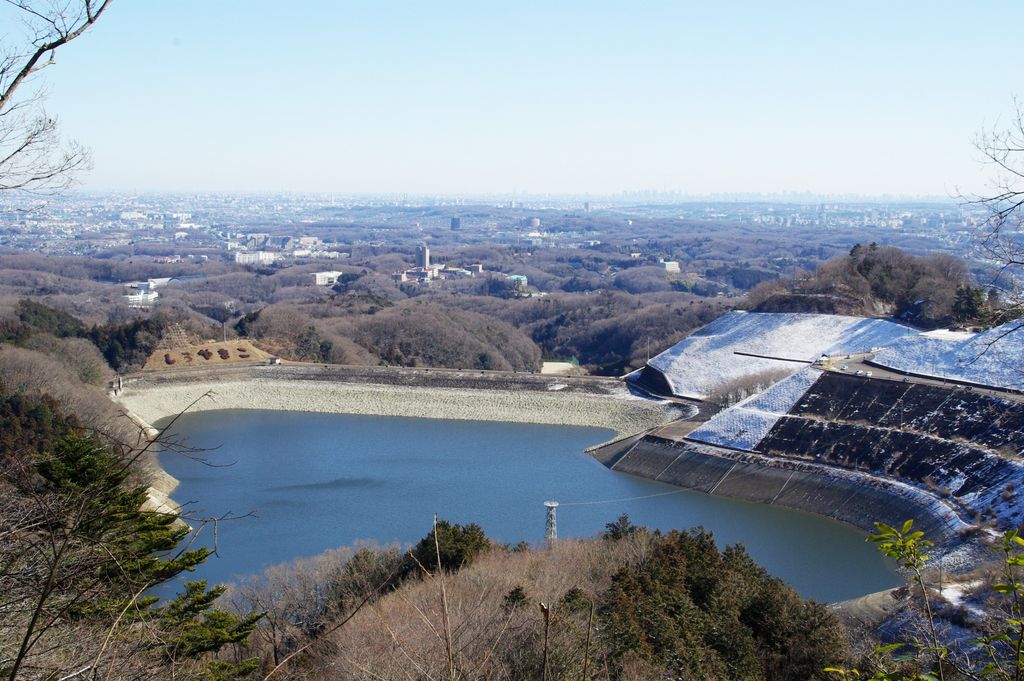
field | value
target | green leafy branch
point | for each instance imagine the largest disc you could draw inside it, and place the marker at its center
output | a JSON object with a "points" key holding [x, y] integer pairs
{"points": [[1001, 653]]}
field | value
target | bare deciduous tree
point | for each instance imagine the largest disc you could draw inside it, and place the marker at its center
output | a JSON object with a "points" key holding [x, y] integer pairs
{"points": [[32, 155], [1002, 237]]}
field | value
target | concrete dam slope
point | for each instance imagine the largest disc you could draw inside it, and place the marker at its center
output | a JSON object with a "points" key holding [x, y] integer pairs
{"points": [[858, 450], [385, 391], [857, 500], [958, 444]]}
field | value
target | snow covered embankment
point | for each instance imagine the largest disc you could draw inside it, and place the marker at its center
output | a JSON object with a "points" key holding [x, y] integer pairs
{"points": [[994, 358], [742, 344], [748, 422]]}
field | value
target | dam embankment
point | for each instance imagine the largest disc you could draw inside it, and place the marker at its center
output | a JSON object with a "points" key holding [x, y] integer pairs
{"points": [[856, 449], [850, 497], [384, 391]]}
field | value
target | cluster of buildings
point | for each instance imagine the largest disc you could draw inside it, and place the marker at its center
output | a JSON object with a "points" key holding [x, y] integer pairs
{"points": [[425, 271], [260, 248], [173, 259], [255, 257]]}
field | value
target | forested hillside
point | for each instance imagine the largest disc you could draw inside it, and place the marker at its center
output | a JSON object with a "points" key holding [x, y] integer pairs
{"points": [[607, 306], [607, 333], [78, 550], [928, 291], [633, 604]]}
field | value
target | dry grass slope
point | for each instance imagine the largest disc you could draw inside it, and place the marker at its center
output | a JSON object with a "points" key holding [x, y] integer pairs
{"points": [[208, 354]]}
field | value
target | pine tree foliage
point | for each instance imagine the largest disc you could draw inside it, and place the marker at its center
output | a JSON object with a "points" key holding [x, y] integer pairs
{"points": [[702, 613], [456, 545], [78, 552]]}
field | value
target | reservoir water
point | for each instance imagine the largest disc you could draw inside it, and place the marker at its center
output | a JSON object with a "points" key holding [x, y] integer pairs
{"points": [[313, 482]]}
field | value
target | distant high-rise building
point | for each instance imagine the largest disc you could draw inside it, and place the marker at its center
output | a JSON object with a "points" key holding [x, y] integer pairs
{"points": [[422, 256], [586, 207], [535, 222], [456, 223]]}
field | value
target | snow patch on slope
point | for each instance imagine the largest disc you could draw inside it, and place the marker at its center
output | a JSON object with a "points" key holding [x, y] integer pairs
{"points": [[745, 424], [706, 360], [993, 358]]}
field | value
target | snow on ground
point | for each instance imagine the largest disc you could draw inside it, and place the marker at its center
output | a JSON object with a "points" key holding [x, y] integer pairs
{"points": [[745, 424], [867, 334], [706, 360], [955, 595], [993, 358], [949, 334], [736, 428], [1001, 496]]}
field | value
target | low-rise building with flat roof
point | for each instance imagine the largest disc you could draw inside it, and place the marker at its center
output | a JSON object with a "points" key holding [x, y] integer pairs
{"points": [[326, 278]]}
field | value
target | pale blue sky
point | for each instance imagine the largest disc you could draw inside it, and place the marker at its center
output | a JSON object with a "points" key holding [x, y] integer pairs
{"points": [[598, 97]]}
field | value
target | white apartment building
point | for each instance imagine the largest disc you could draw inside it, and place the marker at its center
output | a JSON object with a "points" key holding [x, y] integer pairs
{"points": [[141, 298], [255, 258], [326, 278]]}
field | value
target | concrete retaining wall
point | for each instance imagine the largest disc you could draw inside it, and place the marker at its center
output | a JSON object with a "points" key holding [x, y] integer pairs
{"points": [[422, 393], [856, 499]]}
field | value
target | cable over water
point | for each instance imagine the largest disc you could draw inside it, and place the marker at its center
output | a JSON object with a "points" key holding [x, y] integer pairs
{"points": [[618, 501]]}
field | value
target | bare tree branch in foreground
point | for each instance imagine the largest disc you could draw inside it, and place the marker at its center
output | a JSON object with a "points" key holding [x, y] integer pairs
{"points": [[32, 155], [1001, 240]]}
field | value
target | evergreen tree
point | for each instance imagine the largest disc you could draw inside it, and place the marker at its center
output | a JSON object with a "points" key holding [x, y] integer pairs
{"points": [[457, 545], [48, 320], [193, 627], [79, 551], [970, 305], [709, 614]]}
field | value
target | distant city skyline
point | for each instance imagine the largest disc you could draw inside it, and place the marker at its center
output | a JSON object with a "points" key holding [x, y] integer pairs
{"points": [[502, 198], [468, 99]]}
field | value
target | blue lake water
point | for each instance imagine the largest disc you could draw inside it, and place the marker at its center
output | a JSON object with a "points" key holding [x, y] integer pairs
{"points": [[313, 482]]}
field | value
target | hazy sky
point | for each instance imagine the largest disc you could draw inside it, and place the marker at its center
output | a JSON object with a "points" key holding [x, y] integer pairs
{"points": [[598, 97]]}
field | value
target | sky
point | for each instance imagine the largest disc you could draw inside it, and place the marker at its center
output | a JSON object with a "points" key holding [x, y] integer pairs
{"points": [[464, 98]]}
